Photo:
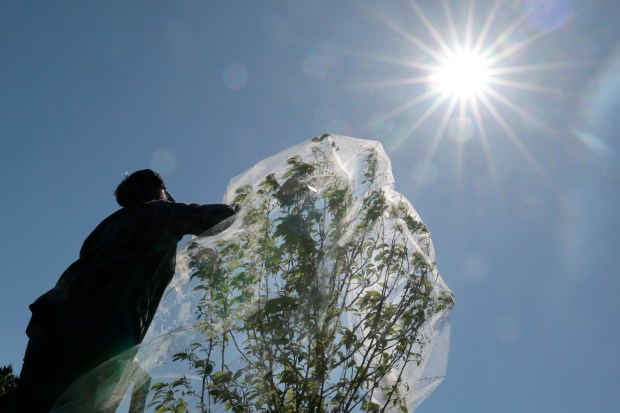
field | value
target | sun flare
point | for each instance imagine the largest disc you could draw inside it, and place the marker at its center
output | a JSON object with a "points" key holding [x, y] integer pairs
{"points": [[464, 71], [462, 74]]}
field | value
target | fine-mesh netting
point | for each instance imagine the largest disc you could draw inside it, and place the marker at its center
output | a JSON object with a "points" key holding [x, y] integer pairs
{"points": [[320, 295]]}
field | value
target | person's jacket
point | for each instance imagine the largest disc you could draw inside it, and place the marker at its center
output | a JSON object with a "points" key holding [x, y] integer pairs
{"points": [[129, 259]]}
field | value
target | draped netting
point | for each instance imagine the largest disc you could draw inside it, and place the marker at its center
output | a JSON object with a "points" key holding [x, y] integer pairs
{"points": [[320, 295]]}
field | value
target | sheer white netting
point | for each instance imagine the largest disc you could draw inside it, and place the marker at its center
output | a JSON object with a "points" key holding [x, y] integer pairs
{"points": [[321, 294]]}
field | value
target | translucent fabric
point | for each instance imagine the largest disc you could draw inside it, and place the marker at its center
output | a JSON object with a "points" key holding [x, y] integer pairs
{"points": [[320, 295]]}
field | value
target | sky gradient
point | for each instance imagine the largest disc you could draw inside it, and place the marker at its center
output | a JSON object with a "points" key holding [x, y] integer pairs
{"points": [[520, 193]]}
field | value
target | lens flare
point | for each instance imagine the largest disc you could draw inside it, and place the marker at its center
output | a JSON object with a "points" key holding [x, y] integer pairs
{"points": [[467, 74]]}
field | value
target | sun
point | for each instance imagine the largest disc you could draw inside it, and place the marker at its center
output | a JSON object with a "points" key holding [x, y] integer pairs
{"points": [[463, 75], [464, 72]]}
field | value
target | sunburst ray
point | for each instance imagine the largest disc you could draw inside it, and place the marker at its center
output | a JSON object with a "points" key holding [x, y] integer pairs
{"points": [[472, 72]]}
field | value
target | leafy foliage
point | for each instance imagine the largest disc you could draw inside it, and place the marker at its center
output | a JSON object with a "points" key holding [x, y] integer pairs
{"points": [[8, 387], [318, 305], [8, 380], [169, 397]]}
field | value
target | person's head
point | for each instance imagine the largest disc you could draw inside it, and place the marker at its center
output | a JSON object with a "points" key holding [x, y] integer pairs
{"points": [[141, 186]]}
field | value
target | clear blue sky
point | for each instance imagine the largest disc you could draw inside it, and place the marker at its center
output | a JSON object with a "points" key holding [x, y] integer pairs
{"points": [[523, 209]]}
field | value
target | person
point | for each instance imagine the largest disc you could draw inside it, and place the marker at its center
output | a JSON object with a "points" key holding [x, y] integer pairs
{"points": [[105, 301]]}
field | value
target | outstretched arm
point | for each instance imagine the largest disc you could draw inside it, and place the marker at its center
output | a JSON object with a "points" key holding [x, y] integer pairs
{"points": [[195, 219]]}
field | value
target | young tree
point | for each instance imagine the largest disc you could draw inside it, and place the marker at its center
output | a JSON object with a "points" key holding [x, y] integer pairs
{"points": [[326, 299], [8, 385]]}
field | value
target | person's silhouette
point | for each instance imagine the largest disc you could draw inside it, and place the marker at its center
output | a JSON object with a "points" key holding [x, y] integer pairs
{"points": [[104, 302]]}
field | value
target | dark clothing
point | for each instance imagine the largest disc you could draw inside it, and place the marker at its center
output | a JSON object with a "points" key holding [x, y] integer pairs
{"points": [[129, 259], [65, 343], [105, 301]]}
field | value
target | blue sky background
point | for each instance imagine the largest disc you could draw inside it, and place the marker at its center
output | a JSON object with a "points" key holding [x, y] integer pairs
{"points": [[202, 90]]}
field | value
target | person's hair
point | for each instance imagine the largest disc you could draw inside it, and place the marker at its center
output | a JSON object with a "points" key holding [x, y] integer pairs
{"points": [[141, 186], [129, 192]]}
